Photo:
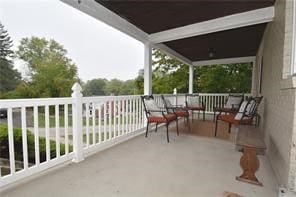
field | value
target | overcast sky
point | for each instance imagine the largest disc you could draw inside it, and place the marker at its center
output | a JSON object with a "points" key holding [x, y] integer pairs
{"points": [[98, 50]]}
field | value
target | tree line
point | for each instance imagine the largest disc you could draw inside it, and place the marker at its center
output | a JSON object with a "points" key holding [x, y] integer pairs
{"points": [[50, 73]]}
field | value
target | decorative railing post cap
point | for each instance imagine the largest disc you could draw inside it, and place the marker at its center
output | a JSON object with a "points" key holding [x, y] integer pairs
{"points": [[76, 87], [175, 90]]}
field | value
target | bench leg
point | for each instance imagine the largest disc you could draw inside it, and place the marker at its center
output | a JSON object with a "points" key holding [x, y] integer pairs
{"points": [[250, 164]]}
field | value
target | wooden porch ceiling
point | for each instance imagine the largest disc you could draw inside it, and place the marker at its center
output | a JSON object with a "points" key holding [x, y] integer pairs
{"points": [[155, 16], [158, 16], [240, 42]]}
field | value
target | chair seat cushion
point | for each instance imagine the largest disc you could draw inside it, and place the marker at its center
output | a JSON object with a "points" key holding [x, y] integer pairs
{"points": [[196, 108], [230, 118], [181, 113], [224, 109], [162, 119]]}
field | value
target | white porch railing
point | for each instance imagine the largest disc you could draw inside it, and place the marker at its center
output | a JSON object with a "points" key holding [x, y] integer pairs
{"points": [[71, 128], [210, 100], [65, 129]]}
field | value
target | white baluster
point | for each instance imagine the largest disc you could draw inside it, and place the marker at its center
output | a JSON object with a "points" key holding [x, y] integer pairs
{"points": [[114, 119], [126, 116], [47, 140], [36, 135], [57, 125], [105, 121], [130, 115], [11, 141], [119, 118], [110, 120], [66, 123], [24, 138], [93, 123], [100, 123], [87, 123]]}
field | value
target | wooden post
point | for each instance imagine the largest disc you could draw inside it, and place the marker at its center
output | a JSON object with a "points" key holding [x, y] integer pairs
{"points": [[77, 123]]}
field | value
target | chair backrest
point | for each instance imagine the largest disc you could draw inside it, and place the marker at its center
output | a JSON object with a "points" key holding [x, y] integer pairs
{"points": [[234, 100], [252, 108], [249, 108], [193, 100], [167, 104], [150, 106]]}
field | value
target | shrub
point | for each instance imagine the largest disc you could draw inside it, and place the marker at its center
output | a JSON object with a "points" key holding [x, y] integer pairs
{"points": [[18, 145]]}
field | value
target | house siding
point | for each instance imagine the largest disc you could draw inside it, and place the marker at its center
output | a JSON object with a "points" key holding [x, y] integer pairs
{"points": [[278, 124]]}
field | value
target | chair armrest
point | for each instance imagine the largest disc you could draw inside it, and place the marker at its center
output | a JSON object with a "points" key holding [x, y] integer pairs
{"points": [[234, 107], [160, 110], [175, 107]]}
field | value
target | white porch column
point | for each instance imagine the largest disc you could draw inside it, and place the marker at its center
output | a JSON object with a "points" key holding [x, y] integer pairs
{"points": [[147, 69], [254, 90], [190, 88]]}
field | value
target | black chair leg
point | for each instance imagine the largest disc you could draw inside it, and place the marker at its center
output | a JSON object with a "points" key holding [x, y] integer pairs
{"points": [[229, 127], [204, 115], [188, 123], [147, 129], [192, 116], [214, 116], [156, 127], [216, 126], [177, 126], [167, 130]]}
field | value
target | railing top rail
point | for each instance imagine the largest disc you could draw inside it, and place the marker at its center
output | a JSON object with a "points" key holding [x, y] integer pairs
{"points": [[6, 103], [108, 98]]}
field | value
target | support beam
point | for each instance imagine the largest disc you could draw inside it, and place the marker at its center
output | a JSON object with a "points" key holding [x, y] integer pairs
{"points": [[253, 88], [190, 88], [103, 14], [147, 69], [172, 53], [253, 17], [225, 61]]}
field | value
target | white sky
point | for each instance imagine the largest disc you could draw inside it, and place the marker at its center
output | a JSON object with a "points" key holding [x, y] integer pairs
{"points": [[98, 50]]}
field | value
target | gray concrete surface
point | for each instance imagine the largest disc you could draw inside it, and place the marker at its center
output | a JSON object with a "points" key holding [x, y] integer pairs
{"points": [[187, 166]]}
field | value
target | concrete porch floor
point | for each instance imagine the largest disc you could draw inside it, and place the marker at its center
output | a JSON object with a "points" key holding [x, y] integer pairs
{"points": [[190, 165]]}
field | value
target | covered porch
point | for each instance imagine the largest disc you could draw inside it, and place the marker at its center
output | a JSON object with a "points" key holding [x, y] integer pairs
{"points": [[192, 164]]}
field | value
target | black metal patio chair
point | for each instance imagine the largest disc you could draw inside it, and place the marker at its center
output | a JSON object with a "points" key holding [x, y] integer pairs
{"points": [[179, 110], [230, 106], [194, 103], [158, 115], [245, 116]]}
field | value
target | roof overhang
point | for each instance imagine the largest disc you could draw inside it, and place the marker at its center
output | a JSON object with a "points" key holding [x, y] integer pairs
{"points": [[191, 25]]}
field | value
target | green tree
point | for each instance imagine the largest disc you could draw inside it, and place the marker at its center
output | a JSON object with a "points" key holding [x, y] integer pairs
{"points": [[169, 73], [139, 83], [229, 78], [113, 87], [95, 87], [128, 88], [52, 73], [9, 77], [5, 44]]}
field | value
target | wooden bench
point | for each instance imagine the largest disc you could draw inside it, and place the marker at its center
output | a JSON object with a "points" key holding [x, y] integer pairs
{"points": [[249, 140]]}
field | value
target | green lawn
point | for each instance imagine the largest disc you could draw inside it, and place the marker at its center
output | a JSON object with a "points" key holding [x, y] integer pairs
{"points": [[41, 120]]}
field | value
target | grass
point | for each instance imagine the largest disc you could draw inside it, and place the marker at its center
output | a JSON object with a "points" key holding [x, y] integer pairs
{"points": [[41, 120]]}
